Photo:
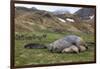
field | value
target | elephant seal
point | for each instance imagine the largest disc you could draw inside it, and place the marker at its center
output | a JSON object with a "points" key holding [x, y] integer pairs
{"points": [[74, 49], [71, 49], [82, 48], [58, 45], [76, 40]]}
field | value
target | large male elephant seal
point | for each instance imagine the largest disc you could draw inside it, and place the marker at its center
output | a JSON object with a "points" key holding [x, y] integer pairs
{"points": [[67, 42], [58, 45]]}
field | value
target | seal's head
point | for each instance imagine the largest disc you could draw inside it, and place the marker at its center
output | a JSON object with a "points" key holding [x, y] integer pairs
{"points": [[82, 48]]}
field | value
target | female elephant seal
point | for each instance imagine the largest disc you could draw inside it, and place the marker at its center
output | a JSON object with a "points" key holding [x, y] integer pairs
{"points": [[82, 48], [71, 49]]}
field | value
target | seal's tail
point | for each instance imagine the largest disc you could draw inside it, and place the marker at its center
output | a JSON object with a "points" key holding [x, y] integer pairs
{"points": [[34, 46]]}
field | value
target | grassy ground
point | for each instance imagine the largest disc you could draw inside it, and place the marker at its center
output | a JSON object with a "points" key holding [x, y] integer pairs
{"points": [[43, 56]]}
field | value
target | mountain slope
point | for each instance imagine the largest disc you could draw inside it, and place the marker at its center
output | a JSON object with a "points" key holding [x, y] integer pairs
{"points": [[31, 20], [85, 13]]}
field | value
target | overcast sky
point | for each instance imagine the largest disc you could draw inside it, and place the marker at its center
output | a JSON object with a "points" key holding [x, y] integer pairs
{"points": [[50, 8]]}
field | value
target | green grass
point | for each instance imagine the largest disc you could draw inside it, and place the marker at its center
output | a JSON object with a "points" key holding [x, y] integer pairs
{"points": [[43, 56]]}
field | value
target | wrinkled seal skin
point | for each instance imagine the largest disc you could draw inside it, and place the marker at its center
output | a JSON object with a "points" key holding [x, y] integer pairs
{"points": [[58, 45], [66, 43]]}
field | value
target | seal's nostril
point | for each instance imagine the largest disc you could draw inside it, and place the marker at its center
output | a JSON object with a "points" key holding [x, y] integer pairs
{"points": [[73, 43], [87, 47]]}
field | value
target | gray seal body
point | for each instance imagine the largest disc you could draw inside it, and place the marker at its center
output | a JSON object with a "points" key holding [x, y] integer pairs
{"points": [[58, 45], [66, 42], [75, 40]]}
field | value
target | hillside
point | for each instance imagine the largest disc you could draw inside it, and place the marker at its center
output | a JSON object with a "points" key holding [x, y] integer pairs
{"points": [[33, 19]]}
